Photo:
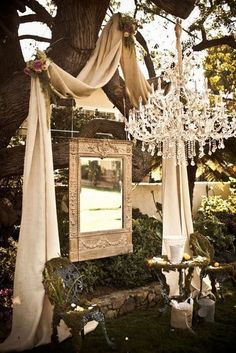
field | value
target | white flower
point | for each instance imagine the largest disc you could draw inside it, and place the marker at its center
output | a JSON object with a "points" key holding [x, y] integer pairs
{"points": [[79, 308]]}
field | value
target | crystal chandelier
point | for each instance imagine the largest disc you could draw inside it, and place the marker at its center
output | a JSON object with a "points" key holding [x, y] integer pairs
{"points": [[183, 123]]}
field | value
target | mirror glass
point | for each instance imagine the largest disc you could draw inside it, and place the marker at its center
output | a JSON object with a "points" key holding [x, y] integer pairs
{"points": [[101, 194]]}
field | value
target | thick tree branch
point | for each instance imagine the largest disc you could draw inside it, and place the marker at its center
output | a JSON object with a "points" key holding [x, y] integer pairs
{"points": [[32, 18], [204, 38], [116, 93], [175, 7], [41, 12], [227, 40], [38, 38], [147, 57]]}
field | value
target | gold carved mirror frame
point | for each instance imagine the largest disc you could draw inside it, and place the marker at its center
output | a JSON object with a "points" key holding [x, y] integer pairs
{"points": [[89, 212]]}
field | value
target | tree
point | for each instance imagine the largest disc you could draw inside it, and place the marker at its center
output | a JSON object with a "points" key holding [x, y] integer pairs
{"points": [[72, 42], [215, 23], [219, 67]]}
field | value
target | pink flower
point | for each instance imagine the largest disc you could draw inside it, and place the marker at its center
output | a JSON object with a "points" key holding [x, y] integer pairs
{"points": [[128, 27], [38, 66]]}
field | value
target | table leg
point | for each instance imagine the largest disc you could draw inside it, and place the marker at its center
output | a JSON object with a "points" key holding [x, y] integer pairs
{"points": [[165, 289], [188, 280], [181, 282]]}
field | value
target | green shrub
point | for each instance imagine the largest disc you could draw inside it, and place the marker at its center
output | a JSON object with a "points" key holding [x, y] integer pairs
{"points": [[7, 263], [122, 271], [216, 219], [128, 270]]}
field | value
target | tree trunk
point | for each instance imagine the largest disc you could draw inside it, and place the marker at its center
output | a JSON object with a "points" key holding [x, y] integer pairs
{"points": [[75, 32], [191, 170], [11, 57], [14, 103]]}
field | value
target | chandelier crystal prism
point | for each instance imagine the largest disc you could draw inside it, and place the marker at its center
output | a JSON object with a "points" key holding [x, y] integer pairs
{"points": [[183, 123]]}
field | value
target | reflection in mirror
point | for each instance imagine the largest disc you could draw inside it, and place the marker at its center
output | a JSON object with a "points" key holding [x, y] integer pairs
{"points": [[101, 194]]}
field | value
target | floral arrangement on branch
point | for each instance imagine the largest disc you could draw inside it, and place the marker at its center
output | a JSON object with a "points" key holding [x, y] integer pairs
{"points": [[128, 26], [38, 67]]}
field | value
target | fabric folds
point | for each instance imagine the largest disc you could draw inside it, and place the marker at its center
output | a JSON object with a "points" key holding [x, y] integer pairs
{"points": [[38, 240]]}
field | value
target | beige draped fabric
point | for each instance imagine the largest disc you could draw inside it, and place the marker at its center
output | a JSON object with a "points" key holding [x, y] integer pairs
{"points": [[38, 241], [101, 66], [177, 217]]}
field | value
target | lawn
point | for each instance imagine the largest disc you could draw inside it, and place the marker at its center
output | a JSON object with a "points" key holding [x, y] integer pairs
{"points": [[148, 331]]}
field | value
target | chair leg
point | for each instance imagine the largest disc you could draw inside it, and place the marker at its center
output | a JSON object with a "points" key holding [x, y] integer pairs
{"points": [[55, 322], [76, 339], [99, 317], [110, 343]]}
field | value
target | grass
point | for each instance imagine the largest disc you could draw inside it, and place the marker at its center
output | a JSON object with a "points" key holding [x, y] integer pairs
{"points": [[148, 331]]}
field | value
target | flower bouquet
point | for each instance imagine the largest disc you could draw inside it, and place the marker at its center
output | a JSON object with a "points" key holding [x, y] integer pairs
{"points": [[128, 26]]}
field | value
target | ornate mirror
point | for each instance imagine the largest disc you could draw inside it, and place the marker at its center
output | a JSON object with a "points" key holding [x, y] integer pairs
{"points": [[100, 210]]}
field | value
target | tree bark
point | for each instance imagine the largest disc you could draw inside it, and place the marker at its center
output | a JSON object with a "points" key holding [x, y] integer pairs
{"points": [[14, 103], [75, 32], [11, 57]]}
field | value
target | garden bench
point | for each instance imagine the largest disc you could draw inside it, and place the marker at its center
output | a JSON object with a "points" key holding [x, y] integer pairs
{"points": [[63, 284]]}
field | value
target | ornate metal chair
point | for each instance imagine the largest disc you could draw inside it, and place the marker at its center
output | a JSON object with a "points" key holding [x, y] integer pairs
{"points": [[64, 285]]}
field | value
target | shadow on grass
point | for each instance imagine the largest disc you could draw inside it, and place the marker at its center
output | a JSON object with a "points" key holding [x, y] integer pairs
{"points": [[146, 331]]}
